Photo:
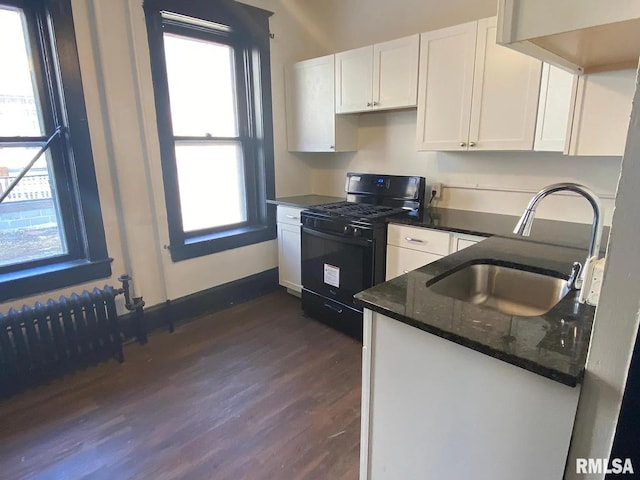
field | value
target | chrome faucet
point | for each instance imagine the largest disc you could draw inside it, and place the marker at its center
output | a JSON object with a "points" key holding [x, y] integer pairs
{"points": [[523, 226]]}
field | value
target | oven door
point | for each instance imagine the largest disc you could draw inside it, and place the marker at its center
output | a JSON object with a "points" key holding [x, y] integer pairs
{"points": [[336, 266]]}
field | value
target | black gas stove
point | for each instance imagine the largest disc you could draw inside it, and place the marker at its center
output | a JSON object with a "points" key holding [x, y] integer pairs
{"points": [[344, 243]]}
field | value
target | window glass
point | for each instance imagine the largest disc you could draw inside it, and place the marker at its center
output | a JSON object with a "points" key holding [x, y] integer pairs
{"points": [[19, 106], [30, 225], [201, 87], [30, 221], [211, 184]]}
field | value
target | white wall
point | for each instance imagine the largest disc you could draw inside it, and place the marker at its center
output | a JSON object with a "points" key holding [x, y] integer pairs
{"points": [[115, 66], [500, 182], [345, 24]]}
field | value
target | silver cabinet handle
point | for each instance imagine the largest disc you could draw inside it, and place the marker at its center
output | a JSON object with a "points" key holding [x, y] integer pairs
{"points": [[332, 147], [369, 104], [472, 144], [293, 217], [463, 144], [414, 240], [376, 103]]}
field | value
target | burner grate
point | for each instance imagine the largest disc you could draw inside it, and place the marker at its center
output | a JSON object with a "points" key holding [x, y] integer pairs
{"points": [[358, 210]]}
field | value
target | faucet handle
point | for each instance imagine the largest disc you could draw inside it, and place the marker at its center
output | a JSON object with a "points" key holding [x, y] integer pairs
{"points": [[573, 281]]}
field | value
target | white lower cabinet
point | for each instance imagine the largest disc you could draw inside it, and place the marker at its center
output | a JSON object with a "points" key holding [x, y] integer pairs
{"points": [[403, 260], [409, 248], [434, 409], [289, 240], [461, 241]]}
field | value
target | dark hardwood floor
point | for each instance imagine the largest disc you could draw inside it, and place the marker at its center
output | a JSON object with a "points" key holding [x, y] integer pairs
{"points": [[253, 392]]}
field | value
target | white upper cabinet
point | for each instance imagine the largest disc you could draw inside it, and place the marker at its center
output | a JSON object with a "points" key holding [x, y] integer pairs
{"points": [[602, 112], [378, 77], [447, 58], [474, 94], [354, 80], [395, 73], [312, 125], [557, 90], [505, 95]]}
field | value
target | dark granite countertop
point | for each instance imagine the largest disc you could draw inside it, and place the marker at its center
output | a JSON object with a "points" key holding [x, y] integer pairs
{"points": [[304, 201], [553, 345], [489, 224]]}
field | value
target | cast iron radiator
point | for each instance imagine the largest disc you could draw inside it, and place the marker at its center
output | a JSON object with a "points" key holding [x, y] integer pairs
{"points": [[47, 340]]}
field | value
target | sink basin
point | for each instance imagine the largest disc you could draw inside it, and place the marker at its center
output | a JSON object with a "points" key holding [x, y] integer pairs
{"points": [[508, 290]]}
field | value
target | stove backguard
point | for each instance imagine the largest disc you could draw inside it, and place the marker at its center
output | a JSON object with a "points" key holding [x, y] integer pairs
{"points": [[390, 190]]}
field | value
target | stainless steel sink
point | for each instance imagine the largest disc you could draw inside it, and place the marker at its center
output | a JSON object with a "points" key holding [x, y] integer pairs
{"points": [[505, 289]]}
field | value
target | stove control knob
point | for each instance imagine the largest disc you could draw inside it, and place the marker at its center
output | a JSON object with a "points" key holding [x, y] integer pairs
{"points": [[348, 230], [357, 232]]}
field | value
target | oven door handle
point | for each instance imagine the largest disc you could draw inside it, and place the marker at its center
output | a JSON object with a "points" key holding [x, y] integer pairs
{"points": [[330, 236], [333, 307]]}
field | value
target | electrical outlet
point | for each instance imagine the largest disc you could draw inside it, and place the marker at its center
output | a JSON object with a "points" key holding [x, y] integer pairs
{"points": [[437, 188]]}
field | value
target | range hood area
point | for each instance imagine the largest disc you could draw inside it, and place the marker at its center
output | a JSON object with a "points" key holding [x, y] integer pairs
{"points": [[582, 36]]}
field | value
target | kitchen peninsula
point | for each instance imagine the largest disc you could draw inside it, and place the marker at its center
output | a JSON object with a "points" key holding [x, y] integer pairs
{"points": [[452, 390]]}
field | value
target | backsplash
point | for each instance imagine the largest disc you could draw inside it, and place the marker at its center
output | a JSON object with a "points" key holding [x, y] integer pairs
{"points": [[497, 182]]}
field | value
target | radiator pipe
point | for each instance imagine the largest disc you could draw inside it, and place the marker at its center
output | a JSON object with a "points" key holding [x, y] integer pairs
{"points": [[135, 304]]}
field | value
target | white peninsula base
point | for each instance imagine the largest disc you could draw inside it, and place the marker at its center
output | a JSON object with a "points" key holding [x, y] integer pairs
{"points": [[436, 410]]}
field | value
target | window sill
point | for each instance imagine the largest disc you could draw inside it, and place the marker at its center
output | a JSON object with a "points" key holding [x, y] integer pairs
{"points": [[37, 280], [220, 241]]}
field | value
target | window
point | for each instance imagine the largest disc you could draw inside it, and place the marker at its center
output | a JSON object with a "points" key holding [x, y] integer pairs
{"points": [[51, 232], [211, 74]]}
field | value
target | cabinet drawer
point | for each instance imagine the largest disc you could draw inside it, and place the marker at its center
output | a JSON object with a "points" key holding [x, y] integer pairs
{"points": [[290, 215], [403, 260], [421, 239]]}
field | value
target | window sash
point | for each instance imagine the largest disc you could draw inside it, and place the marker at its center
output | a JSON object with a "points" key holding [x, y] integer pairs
{"points": [[46, 83], [225, 37], [248, 34], [56, 69], [243, 191]]}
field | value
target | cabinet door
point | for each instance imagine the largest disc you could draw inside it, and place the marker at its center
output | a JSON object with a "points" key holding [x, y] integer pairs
{"points": [[556, 94], [395, 73], [354, 80], [445, 86], [460, 241], [505, 94], [289, 256], [403, 260], [309, 105], [602, 112]]}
